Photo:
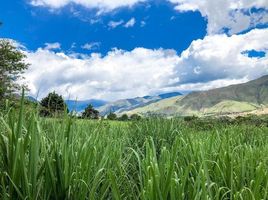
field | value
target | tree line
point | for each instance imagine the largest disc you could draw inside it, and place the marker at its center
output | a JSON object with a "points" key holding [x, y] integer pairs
{"points": [[54, 105]]}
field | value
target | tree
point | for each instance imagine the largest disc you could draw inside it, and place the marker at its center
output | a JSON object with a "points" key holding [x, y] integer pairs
{"points": [[90, 113], [124, 117], [12, 65], [53, 104], [112, 116], [135, 117]]}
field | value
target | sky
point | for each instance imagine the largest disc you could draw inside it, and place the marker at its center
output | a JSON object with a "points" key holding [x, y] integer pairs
{"points": [[116, 49]]}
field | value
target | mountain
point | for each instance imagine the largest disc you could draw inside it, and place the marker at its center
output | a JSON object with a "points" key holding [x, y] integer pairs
{"points": [[32, 99], [129, 104], [80, 106], [239, 98]]}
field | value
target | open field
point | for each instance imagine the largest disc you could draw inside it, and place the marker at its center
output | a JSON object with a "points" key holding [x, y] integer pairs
{"points": [[149, 159]]}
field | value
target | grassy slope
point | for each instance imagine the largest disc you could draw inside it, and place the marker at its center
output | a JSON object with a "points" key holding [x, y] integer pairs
{"points": [[125, 105], [169, 107], [166, 106], [255, 92], [232, 99]]}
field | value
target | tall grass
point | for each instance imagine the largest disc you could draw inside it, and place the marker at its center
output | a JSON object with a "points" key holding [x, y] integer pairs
{"points": [[150, 159]]}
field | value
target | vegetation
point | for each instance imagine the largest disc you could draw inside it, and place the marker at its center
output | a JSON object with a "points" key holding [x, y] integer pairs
{"points": [[124, 117], [90, 113], [52, 105], [12, 65], [153, 158], [241, 98], [135, 117], [124, 105], [112, 116]]}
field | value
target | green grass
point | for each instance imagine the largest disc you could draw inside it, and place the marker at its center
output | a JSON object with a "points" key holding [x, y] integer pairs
{"points": [[149, 159]]}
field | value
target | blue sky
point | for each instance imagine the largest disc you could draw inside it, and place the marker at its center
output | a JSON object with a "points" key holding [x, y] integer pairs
{"points": [[112, 49], [157, 25]]}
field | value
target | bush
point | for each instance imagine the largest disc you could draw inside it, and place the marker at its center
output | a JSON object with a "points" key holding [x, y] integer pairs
{"points": [[135, 117], [190, 118], [124, 117], [112, 116]]}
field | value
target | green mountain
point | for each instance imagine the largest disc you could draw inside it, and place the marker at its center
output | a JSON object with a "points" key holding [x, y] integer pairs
{"points": [[125, 105], [239, 98]]}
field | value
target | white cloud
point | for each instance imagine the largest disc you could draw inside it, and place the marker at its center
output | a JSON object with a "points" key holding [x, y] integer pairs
{"points": [[215, 61], [130, 23], [51, 46], [120, 74], [103, 5], [220, 57], [91, 46], [114, 24], [235, 15]]}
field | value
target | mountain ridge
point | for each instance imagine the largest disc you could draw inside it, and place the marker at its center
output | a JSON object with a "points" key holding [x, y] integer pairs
{"points": [[245, 97], [124, 105]]}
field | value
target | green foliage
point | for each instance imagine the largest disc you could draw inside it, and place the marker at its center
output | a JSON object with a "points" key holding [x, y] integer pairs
{"points": [[124, 117], [12, 65], [112, 116], [52, 105], [154, 158], [90, 113], [190, 118], [135, 117]]}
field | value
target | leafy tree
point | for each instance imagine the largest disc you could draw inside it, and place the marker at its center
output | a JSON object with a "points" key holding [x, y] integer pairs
{"points": [[135, 117], [52, 105], [90, 113], [124, 117], [112, 116], [12, 65]]}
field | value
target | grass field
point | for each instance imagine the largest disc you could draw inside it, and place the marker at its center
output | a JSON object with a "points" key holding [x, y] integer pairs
{"points": [[149, 159]]}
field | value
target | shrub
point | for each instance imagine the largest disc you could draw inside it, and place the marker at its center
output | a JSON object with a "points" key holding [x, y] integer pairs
{"points": [[124, 117], [112, 116], [135, 117], [190, 118]]}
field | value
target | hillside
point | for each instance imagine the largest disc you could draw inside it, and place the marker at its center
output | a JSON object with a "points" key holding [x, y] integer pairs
{"points": [[125, 105], [239, 98], [255, 92]]}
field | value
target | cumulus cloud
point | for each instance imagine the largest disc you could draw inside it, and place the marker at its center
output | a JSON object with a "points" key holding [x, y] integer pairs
{"points": [[221, 57], [215, 61], [232, 15], [119, 74], [103, 5], [130, 23]]}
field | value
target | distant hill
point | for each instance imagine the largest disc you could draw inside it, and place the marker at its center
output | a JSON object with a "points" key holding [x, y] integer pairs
{"points": [[245, 97], [255, 92], [80, 106], [32, 99], [129, 104]]}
